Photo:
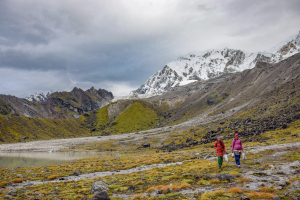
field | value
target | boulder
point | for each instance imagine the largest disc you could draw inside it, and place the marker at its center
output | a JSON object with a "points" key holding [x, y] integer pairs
{"points": [[284, 126], [282, 184], [169, 190], [225, 177], [98, 186], [13, 192], [75, 174], [103, 195], [145, 145], [154, 193], [207, 177], [131, 187]]}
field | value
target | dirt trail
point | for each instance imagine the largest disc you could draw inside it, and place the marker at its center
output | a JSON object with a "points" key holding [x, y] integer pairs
{"points": [[59, 144]]}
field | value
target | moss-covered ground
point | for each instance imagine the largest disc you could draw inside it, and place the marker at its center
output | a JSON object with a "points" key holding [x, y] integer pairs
{"points": [[190, 175]]}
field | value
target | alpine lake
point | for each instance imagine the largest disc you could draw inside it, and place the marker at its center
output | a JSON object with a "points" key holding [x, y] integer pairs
{"points": [[26, 159]]}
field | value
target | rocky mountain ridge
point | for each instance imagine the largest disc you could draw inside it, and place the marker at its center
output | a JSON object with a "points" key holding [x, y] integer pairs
{"points": [[58, 105], [211, 64], [39, 97]]}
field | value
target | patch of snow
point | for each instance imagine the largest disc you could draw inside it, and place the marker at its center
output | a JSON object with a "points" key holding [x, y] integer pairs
{"points": [[39, 97], [186, 82]]}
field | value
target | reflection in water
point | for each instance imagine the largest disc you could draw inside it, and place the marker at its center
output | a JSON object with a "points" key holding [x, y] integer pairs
{"points": [[26, 159]]}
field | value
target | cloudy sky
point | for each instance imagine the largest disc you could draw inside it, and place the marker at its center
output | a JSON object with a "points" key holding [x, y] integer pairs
{"points": [[117, 45]]}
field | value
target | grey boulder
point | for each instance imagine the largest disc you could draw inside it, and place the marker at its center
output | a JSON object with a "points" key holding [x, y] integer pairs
{"points": [[101, 196], [98, 186]]}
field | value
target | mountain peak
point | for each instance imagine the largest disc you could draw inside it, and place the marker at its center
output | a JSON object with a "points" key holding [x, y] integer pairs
{"points": [[39, 97], [210, 64]]}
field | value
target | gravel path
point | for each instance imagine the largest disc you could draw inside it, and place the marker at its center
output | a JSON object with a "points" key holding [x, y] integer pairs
{"points": [[59, 144]]}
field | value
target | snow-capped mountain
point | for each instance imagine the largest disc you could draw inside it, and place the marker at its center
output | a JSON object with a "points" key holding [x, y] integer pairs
{"points": [[211, 64], [39, 97], [290, 48]]}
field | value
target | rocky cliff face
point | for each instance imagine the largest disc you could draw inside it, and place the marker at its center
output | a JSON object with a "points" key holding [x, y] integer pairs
{"points": [[77, 101], [59, 105], [210, 65]]}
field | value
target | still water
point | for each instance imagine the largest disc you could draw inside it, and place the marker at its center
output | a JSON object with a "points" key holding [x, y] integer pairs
{"points": [[26, 159]]}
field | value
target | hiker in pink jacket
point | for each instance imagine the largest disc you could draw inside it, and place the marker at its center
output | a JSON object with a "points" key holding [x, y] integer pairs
{"points": [[237, 149]]}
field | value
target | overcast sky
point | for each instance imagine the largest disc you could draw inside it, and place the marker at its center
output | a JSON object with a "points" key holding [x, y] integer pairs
{"points": [[117, 45]]}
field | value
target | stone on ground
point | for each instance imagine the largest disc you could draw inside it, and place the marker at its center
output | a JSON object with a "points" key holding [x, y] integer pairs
{"points": [[98, 186]]}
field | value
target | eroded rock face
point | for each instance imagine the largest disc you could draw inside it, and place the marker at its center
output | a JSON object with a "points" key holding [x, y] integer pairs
{"points": [[97, 187]]}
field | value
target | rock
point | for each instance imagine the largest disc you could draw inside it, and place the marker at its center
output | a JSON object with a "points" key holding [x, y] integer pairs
{"points": [[169, 190], [276, 198], [98, 186], [103, 195], [296, 184], [207, 177], [13, 192], [282, 184], [75, 174], [24, 138], [277, 187], [145, 145], [295, 135], [225, 177], [7, 197], [284, 126], [132, 187], [117, 158], [154, 193], [145, 195], [260, 174]]}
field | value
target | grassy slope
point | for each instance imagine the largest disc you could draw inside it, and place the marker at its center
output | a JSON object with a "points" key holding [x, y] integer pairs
{"points": [[139, 116], [13, 128]]}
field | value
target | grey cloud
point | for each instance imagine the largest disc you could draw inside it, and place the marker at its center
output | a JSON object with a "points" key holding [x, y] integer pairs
{"points": [[25, 60], [127, 41]]}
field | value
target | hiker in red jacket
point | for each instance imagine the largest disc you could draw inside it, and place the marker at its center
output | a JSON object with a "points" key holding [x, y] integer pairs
{"points": [[220, 147]]}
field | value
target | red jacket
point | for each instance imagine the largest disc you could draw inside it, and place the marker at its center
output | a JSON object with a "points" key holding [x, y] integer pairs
{"points": [[220, 148]]}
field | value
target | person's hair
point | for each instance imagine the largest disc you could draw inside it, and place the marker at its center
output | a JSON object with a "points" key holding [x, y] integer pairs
{"points": [[221, 142]]}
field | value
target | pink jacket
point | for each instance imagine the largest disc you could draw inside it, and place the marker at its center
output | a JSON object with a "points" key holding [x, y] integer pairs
{"points": [[237, 144]]}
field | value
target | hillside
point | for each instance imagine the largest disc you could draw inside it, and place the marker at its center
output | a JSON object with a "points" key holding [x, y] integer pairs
{"points": [[266, 94], [253, 102], [57, 105]]}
